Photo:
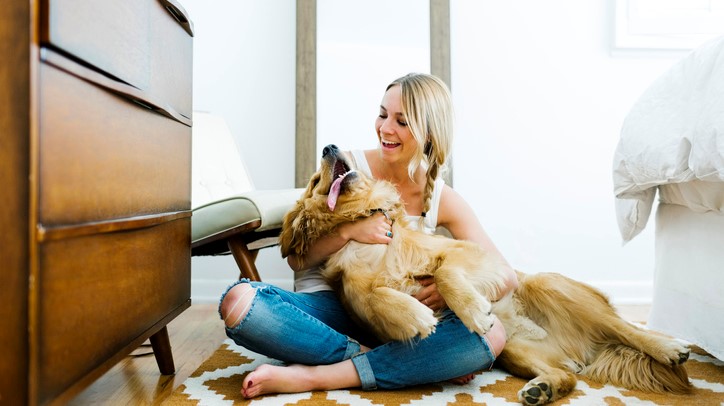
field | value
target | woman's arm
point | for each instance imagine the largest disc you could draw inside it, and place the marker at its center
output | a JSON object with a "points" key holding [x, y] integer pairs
{"points": [[458, 217], [370, 230]]}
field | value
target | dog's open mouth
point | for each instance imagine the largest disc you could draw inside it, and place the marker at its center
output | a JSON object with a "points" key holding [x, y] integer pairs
{"points": [[341, 171]]}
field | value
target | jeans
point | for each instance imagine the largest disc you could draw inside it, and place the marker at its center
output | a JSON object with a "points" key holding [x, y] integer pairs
{"points": [[315, 329]]}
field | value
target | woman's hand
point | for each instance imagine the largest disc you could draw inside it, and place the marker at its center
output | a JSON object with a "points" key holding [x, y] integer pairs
{"points": [[375, 229], [429, 296], [370, 230]]}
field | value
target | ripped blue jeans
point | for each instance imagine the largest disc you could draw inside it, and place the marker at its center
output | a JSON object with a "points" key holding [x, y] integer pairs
{"points": [[314, 329]]}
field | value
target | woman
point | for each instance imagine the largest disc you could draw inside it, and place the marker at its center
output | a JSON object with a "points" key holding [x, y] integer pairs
{"points": [[310, 329]]}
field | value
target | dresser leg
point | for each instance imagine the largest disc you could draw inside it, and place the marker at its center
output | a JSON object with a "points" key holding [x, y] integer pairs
{"points": [[162, 351]]}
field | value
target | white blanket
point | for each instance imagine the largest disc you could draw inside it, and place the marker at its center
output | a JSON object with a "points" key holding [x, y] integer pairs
{"points": [[673, 134]]}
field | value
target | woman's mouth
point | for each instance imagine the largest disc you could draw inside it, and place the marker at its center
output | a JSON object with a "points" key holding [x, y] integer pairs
{"points": [[387, 144]]}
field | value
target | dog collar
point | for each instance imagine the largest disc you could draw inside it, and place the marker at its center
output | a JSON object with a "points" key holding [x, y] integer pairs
{"points": [[383, 211]]}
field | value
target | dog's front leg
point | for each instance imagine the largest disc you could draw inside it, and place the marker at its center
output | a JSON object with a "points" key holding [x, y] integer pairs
{"points": [[399, 316], [469, 305]]}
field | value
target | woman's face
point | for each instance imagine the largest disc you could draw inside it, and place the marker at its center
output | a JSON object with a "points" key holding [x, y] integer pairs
{"points": [[396, 140]]}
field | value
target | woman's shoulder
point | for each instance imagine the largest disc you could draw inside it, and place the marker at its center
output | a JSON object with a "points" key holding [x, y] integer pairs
{"points": [[452, 207]]}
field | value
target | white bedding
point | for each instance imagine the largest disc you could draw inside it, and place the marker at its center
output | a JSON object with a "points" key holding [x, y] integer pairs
{"points": [[674, 134]]}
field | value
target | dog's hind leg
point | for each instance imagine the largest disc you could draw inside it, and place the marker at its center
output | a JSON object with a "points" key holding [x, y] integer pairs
{"points": [[665, 350], [528, 359], [624, 366]]}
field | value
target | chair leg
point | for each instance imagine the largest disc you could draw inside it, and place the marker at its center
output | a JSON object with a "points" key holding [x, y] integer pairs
{"points": [[162, 351], [244, 258]]}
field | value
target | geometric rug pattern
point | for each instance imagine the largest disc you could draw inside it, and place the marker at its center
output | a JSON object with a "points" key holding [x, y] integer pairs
{"points": [[218, 381]]}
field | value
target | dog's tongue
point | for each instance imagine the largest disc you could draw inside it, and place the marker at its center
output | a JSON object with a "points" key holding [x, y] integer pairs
{"points": [[334, 193]]}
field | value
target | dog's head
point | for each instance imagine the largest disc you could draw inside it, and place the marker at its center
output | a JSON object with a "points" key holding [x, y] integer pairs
{"points": [[336, 194]]}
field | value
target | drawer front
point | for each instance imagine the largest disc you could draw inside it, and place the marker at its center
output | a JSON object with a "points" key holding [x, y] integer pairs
{"points": [[137, 41], [104, 157], [98, 293]]}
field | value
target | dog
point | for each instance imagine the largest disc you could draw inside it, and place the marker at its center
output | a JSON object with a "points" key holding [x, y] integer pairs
{"points": [[557, 327]]}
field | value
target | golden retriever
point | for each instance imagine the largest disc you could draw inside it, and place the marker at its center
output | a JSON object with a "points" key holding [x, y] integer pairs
{"points": [[557, 327]]}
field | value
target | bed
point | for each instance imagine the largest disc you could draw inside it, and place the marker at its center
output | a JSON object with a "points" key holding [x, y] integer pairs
{"points": [[672, 146]]}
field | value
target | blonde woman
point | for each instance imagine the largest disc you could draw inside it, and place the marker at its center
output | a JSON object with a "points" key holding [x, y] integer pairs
{"points": [[309, 328]]}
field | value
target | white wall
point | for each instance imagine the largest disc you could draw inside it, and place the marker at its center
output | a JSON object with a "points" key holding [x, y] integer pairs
{"points": [[540, 102], [361, 47], [244, 71], [539, 105]]}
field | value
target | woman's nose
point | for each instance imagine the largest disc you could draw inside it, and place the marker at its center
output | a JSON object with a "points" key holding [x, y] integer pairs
{"points": [[384, 127]]}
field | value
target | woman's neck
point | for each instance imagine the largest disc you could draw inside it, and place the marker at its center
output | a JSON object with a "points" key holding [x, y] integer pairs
{"points": [[411, 191], [395, 172]]}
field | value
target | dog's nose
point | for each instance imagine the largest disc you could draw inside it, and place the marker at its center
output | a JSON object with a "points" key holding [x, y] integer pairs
{"points": [[329, 149]]}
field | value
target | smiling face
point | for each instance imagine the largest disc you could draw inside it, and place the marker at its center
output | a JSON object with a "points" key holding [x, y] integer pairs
{"points": [[396, 140]]}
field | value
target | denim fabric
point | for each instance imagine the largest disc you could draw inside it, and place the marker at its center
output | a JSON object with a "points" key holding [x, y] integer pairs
{"points": [[314, 329], [451, 351]]}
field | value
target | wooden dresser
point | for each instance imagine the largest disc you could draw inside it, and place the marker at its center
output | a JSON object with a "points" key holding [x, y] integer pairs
{"points": [[95, 175]]}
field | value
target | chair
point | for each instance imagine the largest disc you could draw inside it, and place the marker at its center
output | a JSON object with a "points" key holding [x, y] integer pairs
{"points": [[229, 214]]}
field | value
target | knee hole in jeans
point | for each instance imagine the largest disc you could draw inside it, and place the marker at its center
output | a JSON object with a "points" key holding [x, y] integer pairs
{"points": [[496, 337], [236, 304]]}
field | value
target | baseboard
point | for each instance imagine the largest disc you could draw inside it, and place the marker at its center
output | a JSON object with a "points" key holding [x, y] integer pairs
{"points": [[626, 292], [620, 292], [210, 290]]}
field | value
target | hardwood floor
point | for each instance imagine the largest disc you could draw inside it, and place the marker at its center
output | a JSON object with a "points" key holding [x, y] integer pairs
{"points": [[194, 336]]}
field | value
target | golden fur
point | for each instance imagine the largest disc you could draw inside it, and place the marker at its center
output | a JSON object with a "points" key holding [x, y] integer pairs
{"points": [[556, 327]]}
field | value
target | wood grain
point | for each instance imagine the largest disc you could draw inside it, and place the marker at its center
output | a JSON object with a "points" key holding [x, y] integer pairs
{"points": [[306, 110], [14, 169], [194, 336]]}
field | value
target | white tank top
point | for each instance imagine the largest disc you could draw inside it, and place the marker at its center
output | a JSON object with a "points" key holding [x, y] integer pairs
{"points": [[311, 280]]}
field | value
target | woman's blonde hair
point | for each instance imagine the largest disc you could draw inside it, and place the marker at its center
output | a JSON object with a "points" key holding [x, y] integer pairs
{"points": [[427, 106]]}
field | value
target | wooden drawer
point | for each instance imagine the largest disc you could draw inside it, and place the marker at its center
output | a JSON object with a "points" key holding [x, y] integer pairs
{"points": [[104, 157], [138, 41], [98, 293]]}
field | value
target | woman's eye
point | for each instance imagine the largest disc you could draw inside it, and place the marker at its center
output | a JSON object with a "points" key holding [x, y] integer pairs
{"points": [[402, 123], [382, 116]]}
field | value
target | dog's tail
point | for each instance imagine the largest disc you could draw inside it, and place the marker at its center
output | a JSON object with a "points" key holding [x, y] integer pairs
{"points": [[624, 366]]}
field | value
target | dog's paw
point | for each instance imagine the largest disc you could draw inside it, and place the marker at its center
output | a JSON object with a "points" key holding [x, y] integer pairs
{"points": [[425, 323], [535, 393], [406, 326], [674, 353], [477, 322], [427, 329]]}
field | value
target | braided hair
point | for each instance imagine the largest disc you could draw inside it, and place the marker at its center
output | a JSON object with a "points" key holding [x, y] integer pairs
{"points": [[427, 106]]}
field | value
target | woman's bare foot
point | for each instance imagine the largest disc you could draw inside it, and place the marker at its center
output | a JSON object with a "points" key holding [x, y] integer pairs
{"points": [[296, 378], [462, 380], [277, 379]]}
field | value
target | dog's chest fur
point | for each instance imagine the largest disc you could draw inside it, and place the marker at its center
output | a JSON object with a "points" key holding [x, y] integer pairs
{"points": [[372, 265]]}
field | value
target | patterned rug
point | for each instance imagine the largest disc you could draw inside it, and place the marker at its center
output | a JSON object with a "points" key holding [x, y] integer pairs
{"points": [[218, 381]]}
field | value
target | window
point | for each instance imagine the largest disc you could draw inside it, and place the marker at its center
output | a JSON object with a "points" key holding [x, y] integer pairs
{"points": [[667, 24]]}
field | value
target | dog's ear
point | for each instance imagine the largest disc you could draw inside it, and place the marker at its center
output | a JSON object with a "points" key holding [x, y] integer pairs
{"points": [[287, 238], [313, 181], [293, 238]]}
